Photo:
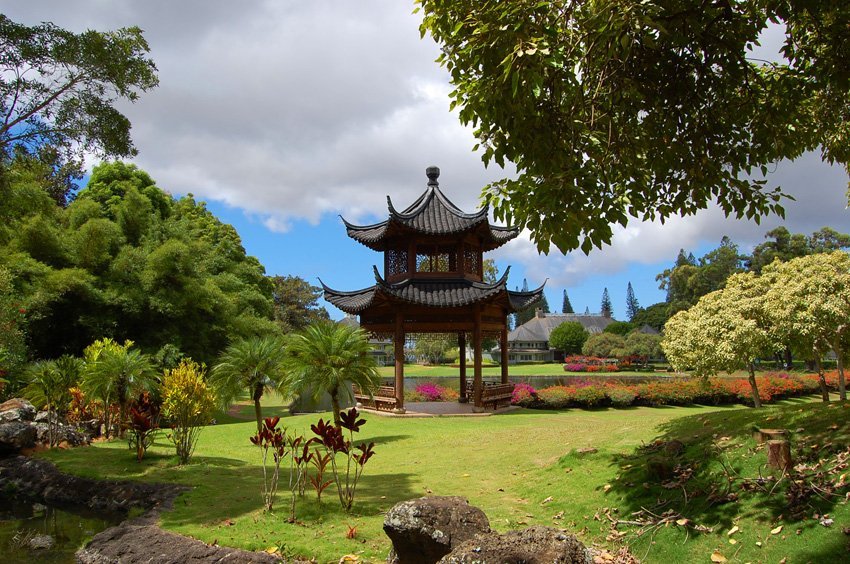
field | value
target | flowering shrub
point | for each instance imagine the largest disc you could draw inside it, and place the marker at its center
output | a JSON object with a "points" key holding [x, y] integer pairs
{"points": [[589, 396], [714, 391], [556, 397], [577, 363], [432, 392], [524, 394], [620, 396]]}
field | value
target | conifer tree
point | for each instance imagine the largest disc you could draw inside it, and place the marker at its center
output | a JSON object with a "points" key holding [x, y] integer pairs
{"points": [[632, 305], [606, 309], [567, 307]]}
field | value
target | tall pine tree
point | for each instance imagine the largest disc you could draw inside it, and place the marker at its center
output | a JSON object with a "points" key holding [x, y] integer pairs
{"points": [[606, 309], [632, 305], [567, 307]]}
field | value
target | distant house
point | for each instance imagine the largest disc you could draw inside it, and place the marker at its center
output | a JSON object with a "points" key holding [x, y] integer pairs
{"points": [[530, 341], [382, 349]]}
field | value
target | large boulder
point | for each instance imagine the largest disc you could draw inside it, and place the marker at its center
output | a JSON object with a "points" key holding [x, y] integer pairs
{"points": [[70, 435], [16, 409], [534, 545], [16, 435], [426, 529]]}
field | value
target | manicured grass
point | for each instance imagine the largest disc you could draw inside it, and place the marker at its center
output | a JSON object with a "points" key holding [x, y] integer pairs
{"points": [[507, 465]]}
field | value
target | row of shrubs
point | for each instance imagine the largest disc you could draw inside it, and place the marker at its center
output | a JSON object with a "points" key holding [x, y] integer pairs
{"points": [[589, 364], [713, 391]]}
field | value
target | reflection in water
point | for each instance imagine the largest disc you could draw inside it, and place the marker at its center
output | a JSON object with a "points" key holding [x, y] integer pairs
{"points": [[38, 533]]}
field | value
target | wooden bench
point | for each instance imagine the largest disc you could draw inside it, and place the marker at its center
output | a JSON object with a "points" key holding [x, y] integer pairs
{"points": [[383, 399], [497, 395]]}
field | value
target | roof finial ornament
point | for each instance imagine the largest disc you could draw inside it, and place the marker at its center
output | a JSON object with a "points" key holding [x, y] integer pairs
{"points": [[433, 174]]}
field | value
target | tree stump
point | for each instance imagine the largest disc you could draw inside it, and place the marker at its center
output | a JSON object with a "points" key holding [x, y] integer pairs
{"points": [[762, 435], [779, 455]]}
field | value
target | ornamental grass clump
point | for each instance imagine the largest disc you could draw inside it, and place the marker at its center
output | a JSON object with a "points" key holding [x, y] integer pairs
{"points": [[188, 403]]}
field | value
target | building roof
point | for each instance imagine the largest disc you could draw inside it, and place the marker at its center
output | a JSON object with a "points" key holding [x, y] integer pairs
{"points": [[539, 327], [431, 214], [434, 292]]}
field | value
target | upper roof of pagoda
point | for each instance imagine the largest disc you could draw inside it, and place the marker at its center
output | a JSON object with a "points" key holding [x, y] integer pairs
{"points": [[450, 292], [431, 214]]}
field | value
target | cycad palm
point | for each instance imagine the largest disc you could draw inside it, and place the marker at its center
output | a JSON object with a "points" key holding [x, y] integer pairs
{"points": [[252, 364], [49, 381], [117, 375], [325, 356]]}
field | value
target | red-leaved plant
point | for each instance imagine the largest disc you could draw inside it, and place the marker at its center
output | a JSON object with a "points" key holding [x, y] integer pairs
{"points": [[334, 442], [271, 440], [142, 424]]}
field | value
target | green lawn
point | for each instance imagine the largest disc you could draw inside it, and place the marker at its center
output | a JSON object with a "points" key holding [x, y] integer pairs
{"points": [[507, 465]]}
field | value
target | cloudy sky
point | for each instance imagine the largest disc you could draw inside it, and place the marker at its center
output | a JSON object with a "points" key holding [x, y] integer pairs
{"points": [[283, 115]]}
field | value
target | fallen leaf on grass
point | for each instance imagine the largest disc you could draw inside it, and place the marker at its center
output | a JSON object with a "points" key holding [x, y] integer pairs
{"points": [[733, 541], [733, 530], [717, 557], [776, 531], [547, 500], [606, 487], [682, 522]]}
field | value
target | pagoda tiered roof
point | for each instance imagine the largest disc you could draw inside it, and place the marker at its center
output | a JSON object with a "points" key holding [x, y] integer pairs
{"points": [[431, 214], [432, 292]]}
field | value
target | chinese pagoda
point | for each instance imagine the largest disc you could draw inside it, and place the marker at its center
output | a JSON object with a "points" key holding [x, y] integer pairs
{"points": [[433, 282]]}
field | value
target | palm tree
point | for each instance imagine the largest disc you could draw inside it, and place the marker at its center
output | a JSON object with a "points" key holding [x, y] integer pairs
{"points": [[48, 387], [325, 356], [253, 364], [117, 375]]}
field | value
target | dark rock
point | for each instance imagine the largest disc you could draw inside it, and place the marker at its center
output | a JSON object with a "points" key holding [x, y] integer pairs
{"points": [[140, 540], [16, 409], [40, 481], [72, 436], [424, 530], [46, 417], [534, 545], [16, 435]]}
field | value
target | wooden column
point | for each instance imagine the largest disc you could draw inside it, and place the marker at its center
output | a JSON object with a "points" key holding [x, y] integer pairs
{"points": [[398, 343], [461, 346], [504, 347], [478, 385]]}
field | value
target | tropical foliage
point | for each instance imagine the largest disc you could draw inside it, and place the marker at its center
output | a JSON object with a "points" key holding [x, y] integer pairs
{"points": [[640, 109], [254, 365], [328, 357], [188, 403]]}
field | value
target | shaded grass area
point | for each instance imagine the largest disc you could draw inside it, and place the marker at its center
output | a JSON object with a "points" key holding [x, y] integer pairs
{"points": [[508, 465]]}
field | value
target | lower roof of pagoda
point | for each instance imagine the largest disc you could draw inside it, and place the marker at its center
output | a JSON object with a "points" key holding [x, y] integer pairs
{"points": [[431, 292]]}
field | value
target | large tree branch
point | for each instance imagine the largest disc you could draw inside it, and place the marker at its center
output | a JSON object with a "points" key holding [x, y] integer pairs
{"points": [[40, 106]]}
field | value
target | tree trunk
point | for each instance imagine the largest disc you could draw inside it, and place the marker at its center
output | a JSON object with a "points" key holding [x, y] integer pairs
{"points": [[789, 358], [753, 385], [258, 411], [779, 455], [839, 353], [335, 406], [824, 391]]}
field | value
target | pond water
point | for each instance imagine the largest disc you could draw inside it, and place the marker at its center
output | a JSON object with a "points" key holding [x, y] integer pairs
{"points": [[25, 525]]}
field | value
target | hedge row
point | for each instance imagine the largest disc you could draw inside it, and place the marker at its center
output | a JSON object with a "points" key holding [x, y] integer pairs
{"points": [[714, 391]]}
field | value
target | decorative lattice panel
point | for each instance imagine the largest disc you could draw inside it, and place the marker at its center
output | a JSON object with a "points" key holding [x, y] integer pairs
{"points": [[470, 261], [396, 261]]}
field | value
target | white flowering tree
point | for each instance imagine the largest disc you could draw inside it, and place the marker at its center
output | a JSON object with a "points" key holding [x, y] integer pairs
{"points": [[809, 299], [726, 330]]}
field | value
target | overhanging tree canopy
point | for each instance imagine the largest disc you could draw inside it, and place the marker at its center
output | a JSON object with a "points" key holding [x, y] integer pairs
{"points": [[641, 108]]}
